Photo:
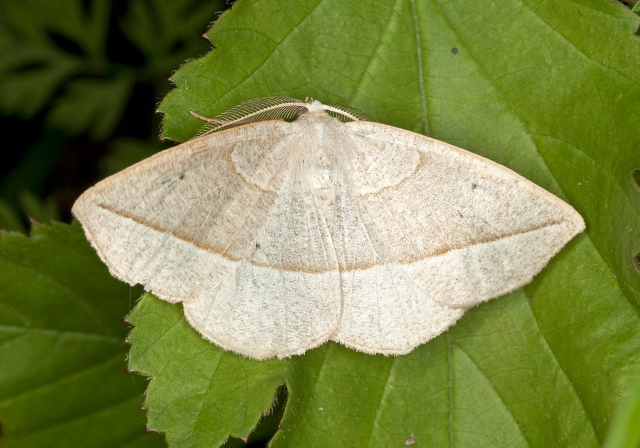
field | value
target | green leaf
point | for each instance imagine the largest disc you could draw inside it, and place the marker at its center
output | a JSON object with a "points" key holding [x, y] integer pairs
{"points": [[93, 104], [71, 59], [40, 210], [201, 394], [50, 49], [40, 51], [549, 89], [62, 381], [10, 218], [625, 430], [35, 168], [164, 31]]}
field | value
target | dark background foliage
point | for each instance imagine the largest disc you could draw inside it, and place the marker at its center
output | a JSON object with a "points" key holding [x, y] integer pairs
{"points": [[77, 95]]}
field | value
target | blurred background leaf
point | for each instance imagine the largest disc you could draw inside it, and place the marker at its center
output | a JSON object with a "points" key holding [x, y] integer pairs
{"points": [[125, 152], [75, 75]]}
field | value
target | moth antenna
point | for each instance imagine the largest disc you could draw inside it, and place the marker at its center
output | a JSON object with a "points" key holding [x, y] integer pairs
{"points": [[261, 109], [272, 108], [346, 113]]}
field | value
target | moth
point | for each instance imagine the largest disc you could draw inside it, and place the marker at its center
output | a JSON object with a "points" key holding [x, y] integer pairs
{"points": [[286, 224]]}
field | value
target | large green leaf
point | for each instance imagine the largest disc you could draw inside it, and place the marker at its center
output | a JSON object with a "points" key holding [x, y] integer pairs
{"points": [[62, 350], [549, 89], [625, 430], [204, 393]]}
